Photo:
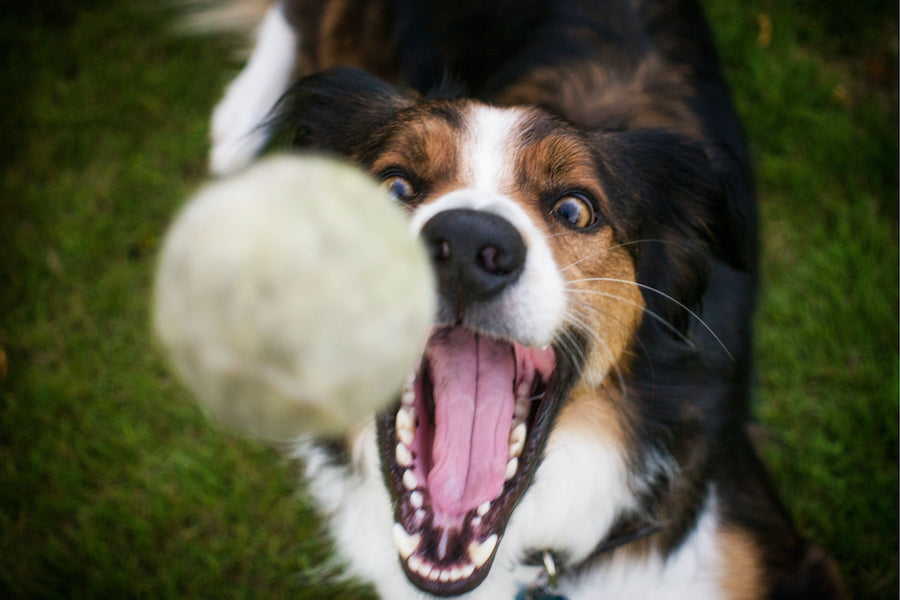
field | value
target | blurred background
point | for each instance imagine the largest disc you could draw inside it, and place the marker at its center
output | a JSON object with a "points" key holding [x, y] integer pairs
{"points": [[112, 484]]}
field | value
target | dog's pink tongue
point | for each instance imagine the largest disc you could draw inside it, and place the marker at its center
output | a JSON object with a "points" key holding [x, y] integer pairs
{"points": [[472, 376]]}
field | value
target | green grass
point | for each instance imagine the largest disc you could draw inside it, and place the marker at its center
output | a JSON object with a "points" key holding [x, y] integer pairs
{"points": [[113, 485]]}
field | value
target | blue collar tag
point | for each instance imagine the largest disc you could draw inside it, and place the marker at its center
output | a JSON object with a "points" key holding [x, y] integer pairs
{"points": [[545, 588], [539, 593]]}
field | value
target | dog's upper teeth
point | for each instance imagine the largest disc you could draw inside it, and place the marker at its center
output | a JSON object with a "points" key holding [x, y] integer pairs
{"points": [[483, 509], [523, 402], [410, 481], [523, 390], [406, 543], [408, 397], [403, 455], [480, 552], [416, 499], [517, 439], [511, 467], [405, 424]]}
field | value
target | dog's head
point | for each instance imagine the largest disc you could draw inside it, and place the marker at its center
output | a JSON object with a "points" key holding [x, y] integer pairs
{"points": [[551, 246]]}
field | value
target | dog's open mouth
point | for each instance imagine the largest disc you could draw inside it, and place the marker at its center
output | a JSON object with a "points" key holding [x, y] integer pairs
{"points": [[458, 451]]}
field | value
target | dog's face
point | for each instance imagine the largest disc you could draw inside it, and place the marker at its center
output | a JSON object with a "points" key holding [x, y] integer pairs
{"points": [[545, 240]]}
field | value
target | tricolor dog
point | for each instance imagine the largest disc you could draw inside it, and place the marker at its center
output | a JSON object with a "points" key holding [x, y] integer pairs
{"points": [[577, 424]]}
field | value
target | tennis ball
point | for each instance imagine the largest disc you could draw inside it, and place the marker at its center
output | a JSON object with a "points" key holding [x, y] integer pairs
{"points": [[293, 298]]}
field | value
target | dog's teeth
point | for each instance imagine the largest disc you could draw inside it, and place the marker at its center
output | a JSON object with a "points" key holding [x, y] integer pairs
{"points": [[481, 552], [410, 481], [416, 499], [520, 412], [406, 436], [405, 543], [433, 576], [483, 508], [414, 563], [511, 467], [517, 439], [403, 455], [424, 570], [405, 423], [455, 574], [476, 521], [467, 570], [445, 576], [523, 391], [408, 398]]}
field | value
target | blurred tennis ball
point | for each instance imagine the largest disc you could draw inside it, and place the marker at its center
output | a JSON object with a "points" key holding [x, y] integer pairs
{"points": [[293, 298]]}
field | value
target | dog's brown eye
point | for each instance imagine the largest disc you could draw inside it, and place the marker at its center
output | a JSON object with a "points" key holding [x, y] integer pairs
{"points": [[574, 211], [399, 187]]}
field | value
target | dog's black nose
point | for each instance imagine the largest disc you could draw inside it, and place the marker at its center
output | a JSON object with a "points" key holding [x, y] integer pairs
{"points": [[476, 254]]}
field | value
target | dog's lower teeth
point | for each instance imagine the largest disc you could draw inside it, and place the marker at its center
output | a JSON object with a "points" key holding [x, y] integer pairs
{"points": [[405, 424], [424, 570], [517, 439], [410, 481], [480, 552], [416, 499], [511, 467], [483, 509], [403, 455], [405, 543], [414, 563]]}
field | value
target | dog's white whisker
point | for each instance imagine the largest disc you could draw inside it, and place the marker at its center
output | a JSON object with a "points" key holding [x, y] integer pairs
{"points": [[644, 309], [579, 323], [650, 288], [605, 250]]}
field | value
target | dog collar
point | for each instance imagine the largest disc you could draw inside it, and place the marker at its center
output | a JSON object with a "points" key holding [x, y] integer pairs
{"points": [[545, 587]]}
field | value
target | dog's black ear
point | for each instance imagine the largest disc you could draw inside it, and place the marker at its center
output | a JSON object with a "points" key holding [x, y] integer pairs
{"points": [[682, 208], [337, 111]]}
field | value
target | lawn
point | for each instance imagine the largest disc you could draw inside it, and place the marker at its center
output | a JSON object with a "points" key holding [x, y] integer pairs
{"points": [[112, 484]]}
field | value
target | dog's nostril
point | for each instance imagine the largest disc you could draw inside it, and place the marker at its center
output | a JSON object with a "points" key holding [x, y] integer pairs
{"points": [[440, 250], [487, 257]]}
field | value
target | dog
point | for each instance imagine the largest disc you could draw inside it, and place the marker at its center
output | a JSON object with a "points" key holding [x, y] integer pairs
{"points": [[578, 424]]}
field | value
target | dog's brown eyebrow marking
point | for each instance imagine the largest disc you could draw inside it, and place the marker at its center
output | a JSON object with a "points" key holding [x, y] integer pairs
{"points": [[424, 142], [554, 159]]}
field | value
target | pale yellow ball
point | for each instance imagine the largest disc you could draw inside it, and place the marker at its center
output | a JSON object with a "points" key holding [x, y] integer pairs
{"points": [[293, 298]]}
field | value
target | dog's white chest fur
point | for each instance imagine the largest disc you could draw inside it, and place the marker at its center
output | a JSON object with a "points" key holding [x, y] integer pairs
{"points": [[560, 511]]}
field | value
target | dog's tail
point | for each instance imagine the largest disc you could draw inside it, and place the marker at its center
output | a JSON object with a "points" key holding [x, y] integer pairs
{"points": [[241, 17]]}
